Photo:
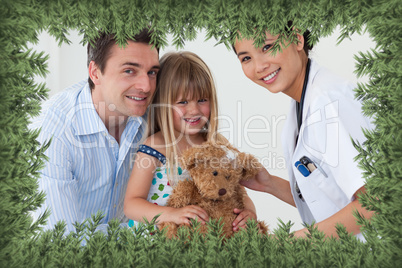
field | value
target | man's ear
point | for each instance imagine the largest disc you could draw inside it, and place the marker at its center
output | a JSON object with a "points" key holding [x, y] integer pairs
{"points": [[94, 72]]}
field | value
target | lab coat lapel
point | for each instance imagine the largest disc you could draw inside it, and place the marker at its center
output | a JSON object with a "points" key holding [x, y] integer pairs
{"points": [[289, 132]]}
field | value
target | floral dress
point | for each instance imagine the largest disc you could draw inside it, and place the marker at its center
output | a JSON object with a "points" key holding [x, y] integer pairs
{"points": [[160, 187]]}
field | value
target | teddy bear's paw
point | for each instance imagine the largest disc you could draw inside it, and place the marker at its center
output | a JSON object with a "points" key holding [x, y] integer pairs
{"points": [[169, 229], [263, 227]]}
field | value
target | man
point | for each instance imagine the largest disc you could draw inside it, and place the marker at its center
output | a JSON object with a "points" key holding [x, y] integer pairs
{"points": [[95, 128]]}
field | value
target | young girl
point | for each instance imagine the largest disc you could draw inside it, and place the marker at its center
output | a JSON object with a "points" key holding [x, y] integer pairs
{"points": [[184, 113]]}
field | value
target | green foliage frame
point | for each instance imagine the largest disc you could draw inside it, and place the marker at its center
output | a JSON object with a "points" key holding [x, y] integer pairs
{"points": [[23, 244]]}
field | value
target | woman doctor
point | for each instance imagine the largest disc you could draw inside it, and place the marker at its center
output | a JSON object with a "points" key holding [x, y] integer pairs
{"points": [[324, 180]]}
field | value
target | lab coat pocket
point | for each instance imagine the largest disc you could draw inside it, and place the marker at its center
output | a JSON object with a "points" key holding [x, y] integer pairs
{"points": [[316, 191], [310, 186], [329, 187]]}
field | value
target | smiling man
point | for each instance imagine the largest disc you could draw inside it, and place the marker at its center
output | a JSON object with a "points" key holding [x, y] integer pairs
{"points": [[95, 127]]}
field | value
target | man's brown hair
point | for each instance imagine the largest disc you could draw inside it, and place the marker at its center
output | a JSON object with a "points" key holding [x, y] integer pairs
{"points": [[99, 52]]}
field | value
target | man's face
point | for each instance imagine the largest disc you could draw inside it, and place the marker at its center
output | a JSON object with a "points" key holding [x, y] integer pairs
{"points": [[127, 84]]}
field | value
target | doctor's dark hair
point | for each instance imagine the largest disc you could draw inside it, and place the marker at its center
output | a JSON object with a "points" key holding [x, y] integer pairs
{"points": [[306, 35], [99, 52]]}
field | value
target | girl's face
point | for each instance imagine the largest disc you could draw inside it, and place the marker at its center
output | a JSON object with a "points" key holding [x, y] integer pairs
{"points": [[279, 73], [190, 115]]}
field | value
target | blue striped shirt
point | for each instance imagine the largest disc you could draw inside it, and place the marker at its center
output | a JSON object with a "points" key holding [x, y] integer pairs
{"points": [[87, 169]]}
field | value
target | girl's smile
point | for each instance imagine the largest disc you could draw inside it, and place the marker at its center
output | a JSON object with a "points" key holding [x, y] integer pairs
{"points": [[193, 121], [190, 115]]}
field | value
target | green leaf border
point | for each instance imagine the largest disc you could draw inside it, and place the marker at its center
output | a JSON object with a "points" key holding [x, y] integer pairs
{"points": [[22, 243]]}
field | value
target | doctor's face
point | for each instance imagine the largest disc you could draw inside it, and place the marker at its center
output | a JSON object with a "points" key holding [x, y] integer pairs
{"points": [[279, 73]]}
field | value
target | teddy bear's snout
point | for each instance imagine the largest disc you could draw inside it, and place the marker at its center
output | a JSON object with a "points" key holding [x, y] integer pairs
{"points": [[222, 191]]}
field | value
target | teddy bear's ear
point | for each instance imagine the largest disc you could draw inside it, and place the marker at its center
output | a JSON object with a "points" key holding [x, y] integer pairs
{"points": [[190, 158], [249, 164]]}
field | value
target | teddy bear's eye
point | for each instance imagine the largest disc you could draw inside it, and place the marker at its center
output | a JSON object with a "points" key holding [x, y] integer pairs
{"points": [[215, 173]]}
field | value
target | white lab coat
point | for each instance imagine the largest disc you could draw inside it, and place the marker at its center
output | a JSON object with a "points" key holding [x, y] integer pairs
{"points": [[331, 118]]}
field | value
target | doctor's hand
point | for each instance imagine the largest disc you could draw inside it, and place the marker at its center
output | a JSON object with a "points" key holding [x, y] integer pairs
{"points": [[265, 182], [260, 182]]}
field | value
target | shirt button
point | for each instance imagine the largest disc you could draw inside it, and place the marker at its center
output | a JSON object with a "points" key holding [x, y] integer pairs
{"points": [[114, 206]]}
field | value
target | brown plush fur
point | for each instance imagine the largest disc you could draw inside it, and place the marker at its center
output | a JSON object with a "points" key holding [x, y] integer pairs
{"points": [[215, 184]]}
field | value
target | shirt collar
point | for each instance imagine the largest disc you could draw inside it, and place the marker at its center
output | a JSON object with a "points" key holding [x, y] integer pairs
{"points": [[87, 120]]}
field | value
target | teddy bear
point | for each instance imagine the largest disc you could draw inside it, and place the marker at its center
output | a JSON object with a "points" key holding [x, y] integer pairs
{"points": [[216, 170]]}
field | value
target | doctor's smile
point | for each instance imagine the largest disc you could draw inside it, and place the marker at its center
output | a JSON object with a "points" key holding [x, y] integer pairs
{"points": [[270, 78]]}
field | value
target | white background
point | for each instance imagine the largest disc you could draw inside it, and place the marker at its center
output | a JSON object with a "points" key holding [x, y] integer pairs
{"points": [[242, 104]]}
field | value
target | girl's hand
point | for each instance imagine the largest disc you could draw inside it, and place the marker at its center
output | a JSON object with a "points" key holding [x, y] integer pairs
{"points": [[183, 215], [242, 216]]}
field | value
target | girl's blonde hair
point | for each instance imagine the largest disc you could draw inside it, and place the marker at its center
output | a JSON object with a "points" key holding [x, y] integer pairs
{"points": [[181, 74]]}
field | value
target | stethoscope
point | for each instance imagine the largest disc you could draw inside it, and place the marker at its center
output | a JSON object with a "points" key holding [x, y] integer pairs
{"points": [[299, 105], [299, 116]]}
